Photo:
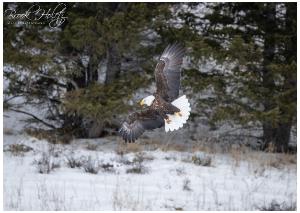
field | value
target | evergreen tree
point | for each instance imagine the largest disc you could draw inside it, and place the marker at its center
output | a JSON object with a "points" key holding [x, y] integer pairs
{"points": [[109, 34], [31, 64], [86, 70], [67, 64], [254, 80]]}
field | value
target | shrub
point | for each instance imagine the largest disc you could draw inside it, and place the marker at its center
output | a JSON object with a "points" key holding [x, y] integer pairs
{"points": [[141, 157], [46, 164], [18, 149], [171, 157], [124, 160], [201, 160], [275, 206], [137, 169], [91, 166], [138, 166], [107, 167], [180, 171], [73, 162], [198, 159], [186, 185], [54, 150], [92, 147]]}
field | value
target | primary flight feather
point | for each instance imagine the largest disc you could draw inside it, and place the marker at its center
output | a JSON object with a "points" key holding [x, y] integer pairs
{"points": [[164, 108]]}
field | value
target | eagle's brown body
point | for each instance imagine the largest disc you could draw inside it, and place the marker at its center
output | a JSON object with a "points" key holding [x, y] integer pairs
{"points": [[167, 77], [163, 107]]}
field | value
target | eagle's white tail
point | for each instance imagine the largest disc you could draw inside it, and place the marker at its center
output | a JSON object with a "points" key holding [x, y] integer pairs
{"points": [[177, 121]]}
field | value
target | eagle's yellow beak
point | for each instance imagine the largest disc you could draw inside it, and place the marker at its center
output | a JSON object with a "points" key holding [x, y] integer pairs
{"points": [[142, 102]]}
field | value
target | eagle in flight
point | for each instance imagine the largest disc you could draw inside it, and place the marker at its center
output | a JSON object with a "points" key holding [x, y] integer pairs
{"points": [[164, 108]]}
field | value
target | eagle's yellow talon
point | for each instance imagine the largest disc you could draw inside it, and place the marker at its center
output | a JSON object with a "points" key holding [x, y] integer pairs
{"points": [[178, 114]]}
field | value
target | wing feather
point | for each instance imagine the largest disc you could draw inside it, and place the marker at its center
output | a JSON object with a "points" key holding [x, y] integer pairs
{"points": [[138, 123], [167, 72]]}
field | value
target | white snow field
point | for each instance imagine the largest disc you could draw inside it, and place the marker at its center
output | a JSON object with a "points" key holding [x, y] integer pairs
{"points": [[111, 176]]}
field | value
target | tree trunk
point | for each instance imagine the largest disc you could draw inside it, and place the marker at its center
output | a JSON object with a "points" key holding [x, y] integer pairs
{"points": [[287, 112], [278, 135], [92, 69], [269, 130], [95, 128], [283, 137], [113, 63]]}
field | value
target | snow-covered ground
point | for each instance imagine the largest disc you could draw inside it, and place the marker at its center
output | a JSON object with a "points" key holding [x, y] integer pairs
{"points": [[140, 177]]}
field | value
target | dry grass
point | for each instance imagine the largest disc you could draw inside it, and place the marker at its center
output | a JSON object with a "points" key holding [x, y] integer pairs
{"points": [[91, 147], [259, 161], [8, 131], [152, 144], [202, 160], [124, 148], [274, 160], [237, 153], [91, 166], [73, 162], [18, 149], [276, 206], [46, 163], [173, 147], [51, 136], [208, 145], [186, 186], [142, 156], [198, 159]]}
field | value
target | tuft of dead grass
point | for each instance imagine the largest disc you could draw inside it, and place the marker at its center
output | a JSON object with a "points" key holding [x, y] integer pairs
{"points": [[237, 153], [276, 206], [46, 163], [124, 148], [8, 131], [18, 149], [91, 147], [259, 161], [152, 144], [186, 186], [198, 159], [91, 165], [52, 136]]}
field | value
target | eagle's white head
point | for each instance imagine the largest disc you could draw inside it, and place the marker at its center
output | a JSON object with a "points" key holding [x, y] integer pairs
{"points": [[148, 100]]}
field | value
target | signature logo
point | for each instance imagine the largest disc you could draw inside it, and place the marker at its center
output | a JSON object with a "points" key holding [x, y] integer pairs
{"points": [[35, 14]]}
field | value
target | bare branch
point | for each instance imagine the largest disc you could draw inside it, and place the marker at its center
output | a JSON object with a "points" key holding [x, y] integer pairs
{"points": [[33, 116]]}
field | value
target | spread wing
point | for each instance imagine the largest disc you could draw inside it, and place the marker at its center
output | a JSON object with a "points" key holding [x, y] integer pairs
{"points": [[167, 72], [138, 123]]}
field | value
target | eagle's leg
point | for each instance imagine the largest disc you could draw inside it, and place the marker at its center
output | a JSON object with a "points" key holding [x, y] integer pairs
{"points": [[164, 115], [168, 121], [174, 110]]}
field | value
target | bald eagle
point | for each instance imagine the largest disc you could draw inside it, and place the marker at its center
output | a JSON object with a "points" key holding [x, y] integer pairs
{"points": [[164, 108]]}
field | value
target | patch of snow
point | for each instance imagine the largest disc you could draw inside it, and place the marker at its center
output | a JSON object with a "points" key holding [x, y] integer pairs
{"points": [[220, 186]]}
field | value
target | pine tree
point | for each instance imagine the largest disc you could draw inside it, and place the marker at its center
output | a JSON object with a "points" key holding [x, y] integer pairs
{"points": [[68, 59], [110, 33], [254, 80]]}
